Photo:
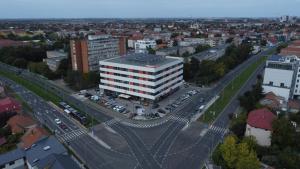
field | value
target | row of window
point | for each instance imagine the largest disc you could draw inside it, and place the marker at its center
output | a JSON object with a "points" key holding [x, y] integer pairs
{"points": [[280, 66], [140, 91], [140, 71], [140, 78], [142, 85]]}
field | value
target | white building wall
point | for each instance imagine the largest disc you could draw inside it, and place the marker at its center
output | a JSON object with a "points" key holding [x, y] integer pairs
{"points": [[18, 163], [297, 83], [283, 92], [263, 137]]}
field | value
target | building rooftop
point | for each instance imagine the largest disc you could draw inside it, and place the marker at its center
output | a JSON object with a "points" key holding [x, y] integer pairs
{"points": [[44, 148], [11, 156], [141, 59], [276, 58], [33, 135], [261, 118], [57, 161], [19, 123]]}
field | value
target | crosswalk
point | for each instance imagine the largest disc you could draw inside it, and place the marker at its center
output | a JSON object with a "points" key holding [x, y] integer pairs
{"points": [[218, 130], [179, 119], [147, 124], [67, 137], [110, 122]]}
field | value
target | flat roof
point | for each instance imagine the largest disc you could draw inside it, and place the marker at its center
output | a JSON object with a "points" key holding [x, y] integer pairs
{"points": [[142, 59]]}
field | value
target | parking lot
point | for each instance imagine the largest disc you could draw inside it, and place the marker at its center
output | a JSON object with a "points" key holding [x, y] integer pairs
{"points": [[138, 110]]}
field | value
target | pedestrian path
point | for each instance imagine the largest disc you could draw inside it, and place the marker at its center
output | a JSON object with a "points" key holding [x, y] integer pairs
{"points": [[67, 137]]}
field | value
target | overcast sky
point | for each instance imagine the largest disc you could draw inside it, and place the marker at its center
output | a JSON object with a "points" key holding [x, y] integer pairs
{"points": [[146, 8]]}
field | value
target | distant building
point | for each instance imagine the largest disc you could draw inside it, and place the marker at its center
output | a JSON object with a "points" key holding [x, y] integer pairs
{"points": [[87, 53], [293, 49], [142, 76], [287, 19], [192, 42], [259, 125], [141, 46], [54, 59]]}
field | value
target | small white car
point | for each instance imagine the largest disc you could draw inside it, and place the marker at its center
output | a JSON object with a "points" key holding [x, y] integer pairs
{"points": [[57, 121]]}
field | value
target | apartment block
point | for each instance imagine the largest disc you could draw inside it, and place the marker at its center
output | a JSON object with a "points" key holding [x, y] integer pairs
{"points": [[86, 53]]}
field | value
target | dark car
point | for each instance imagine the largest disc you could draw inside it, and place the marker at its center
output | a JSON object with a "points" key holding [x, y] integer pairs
{"points": [[63, 126]]}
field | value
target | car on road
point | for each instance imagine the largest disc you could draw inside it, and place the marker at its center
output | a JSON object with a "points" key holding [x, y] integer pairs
{"points": [[63, 126], [57, 121], [201, 107]]}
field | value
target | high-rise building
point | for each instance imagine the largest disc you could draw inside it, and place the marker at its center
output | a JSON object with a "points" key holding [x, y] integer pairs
{"points": [[143, 76], [86, 53]]}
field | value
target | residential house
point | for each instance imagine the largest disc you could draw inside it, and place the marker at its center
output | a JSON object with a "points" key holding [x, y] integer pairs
{"points": [[259, 125]]}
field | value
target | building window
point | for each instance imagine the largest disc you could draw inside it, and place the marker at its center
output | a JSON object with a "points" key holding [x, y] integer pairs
{"points": [[12, 163], [296, 91], [281, 84], [297, 86], [298, 81], [271, 83]]}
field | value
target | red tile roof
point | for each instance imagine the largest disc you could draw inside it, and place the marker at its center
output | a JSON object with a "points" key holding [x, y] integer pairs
{"points": [[261, 118], [20, 123], [33, 135], [9, 105]]}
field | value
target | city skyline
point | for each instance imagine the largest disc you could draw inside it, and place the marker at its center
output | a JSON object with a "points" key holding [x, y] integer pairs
{"points": [[146, 9]]}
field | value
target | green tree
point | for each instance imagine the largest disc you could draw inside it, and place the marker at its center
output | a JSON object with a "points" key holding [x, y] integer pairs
{"points": [[201, 48], [284, 133], [229, 151], [237, 155], [238, 125]]}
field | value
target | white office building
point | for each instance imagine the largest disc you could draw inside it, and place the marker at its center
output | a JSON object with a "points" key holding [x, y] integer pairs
{"points": [[282, 75], [142, 76], [141, 46]]}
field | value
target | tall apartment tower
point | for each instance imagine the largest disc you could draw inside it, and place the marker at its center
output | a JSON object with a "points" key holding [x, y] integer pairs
{"points": [[87, 53]]}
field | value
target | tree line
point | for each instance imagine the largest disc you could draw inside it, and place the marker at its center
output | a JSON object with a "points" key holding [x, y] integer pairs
{"points": [[209, 71]]}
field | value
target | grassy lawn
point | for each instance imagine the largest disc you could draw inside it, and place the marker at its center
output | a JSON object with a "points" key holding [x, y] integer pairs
{"points": [[48, 96], [230, 90]]}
